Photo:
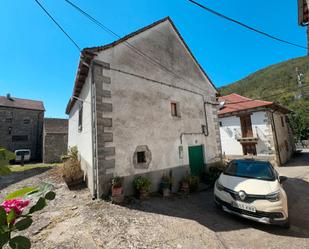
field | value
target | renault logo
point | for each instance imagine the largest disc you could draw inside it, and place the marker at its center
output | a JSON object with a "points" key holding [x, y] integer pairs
{"points": [[242, 195]]}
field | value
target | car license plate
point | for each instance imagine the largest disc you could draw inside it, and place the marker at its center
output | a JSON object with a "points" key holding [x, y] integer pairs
{"points": [[243, 206]]}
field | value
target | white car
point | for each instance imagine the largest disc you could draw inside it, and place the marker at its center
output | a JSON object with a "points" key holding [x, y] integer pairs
{"points": [[253, 189], [24, 152]]}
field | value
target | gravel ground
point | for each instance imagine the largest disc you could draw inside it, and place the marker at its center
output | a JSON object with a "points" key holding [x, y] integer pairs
{"points": [[73, 220]]}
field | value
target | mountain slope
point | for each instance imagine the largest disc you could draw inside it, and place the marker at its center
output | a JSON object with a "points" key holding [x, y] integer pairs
{"points": [[279, 83]]}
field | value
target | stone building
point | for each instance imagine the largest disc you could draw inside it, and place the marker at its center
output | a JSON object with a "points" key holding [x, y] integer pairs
{"points": [[143, 105], [55, 139], [256, 128], [21, 125]]}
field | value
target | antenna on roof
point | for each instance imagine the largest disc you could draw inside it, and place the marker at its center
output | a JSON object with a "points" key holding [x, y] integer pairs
{"points": [[8, 96], [221, 104]]}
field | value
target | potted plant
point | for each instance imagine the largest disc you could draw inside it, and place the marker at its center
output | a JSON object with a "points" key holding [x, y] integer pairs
{"points": [[142, 187], [117, 190], [184, 185], [166, 184], [194, 182]]}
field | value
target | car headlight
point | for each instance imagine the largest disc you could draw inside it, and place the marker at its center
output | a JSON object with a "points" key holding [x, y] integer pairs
{"points": [[275, 196], [219, 186]]}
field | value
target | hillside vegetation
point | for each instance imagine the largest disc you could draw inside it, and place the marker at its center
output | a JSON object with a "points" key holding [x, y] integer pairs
{"points": [[279, 83]]}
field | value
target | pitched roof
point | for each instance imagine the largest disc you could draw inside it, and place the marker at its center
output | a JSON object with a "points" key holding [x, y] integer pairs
{"points": [[89, 53], [235, 103], [11, 102]]}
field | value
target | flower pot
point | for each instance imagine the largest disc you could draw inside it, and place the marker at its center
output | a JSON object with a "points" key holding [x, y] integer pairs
{"points": [[185, 187], [143, 194], [117, 191], [166, 192], [117, 195]]}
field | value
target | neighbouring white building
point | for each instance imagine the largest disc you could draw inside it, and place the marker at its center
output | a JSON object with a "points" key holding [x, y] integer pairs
{"points": [[143, 105], [255, 127]]}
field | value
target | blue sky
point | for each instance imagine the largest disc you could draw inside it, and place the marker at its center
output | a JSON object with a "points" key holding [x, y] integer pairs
{"points": [[38, 62]]}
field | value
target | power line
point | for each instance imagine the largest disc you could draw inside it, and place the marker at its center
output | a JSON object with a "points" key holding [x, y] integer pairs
{"points": [[246, 26], [58, 25], [126, 43]]}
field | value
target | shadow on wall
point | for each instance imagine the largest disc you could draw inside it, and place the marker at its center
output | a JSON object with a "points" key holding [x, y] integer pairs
{"points": [[200, 207], [15, 177]]}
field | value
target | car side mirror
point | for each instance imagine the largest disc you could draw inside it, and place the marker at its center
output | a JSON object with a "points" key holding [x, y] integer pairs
{"points": [[282, 179]]}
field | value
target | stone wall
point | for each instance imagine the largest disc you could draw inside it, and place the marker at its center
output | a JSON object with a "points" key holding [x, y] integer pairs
{"points": [[22, 129], [55, 139]]}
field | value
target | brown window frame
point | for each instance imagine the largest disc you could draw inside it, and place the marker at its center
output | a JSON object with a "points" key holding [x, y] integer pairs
{"points": [[175, 109]]}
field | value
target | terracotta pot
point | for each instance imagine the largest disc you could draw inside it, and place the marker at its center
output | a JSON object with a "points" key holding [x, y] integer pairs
{"points": [[185, 187], [143, 194], [117, 195], [117, 191]]}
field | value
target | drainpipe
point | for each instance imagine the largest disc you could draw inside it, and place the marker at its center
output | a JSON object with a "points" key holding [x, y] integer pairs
{"points": [[94, 135], [276, 137], [204, 127]]}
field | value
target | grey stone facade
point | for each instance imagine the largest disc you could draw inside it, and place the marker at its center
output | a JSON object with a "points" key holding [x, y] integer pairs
{"points": [[55, 139], [128, 126], [22, 129]]}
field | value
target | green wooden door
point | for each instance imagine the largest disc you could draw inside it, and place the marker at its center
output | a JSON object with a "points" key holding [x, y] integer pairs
{"points": [[196, 159]]}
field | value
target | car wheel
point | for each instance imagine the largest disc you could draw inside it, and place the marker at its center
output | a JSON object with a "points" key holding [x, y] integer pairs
{"points": [[218, 206]]}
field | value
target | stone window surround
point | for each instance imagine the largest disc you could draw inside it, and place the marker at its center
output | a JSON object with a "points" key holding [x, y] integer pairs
{"points": [[148, 157]]}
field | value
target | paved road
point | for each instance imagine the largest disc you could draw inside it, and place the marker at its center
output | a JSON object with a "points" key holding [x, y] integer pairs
{"points": [[235, 232], [73, 221]]}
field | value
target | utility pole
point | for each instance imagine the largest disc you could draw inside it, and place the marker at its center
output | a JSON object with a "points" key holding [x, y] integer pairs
{"points": [[300, 78]]}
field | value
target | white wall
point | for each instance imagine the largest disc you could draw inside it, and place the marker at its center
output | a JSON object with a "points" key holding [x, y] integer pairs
{"points": [[141, 108], [229, 130], [283, 134], [261, 127], [83, 139]]}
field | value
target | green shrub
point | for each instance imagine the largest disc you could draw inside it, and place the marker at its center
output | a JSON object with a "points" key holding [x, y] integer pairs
{"points": [[141, 183], [5, 156]]}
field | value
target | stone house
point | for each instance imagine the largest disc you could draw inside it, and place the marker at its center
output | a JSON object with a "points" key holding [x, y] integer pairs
{"points": [[55, 139], [255, 127], [143, 105], [21, 125]]}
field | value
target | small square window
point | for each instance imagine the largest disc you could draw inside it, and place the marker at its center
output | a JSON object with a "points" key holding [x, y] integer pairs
{"points": [[141, 157], [9, 120], [175, 109], [19, 138]]}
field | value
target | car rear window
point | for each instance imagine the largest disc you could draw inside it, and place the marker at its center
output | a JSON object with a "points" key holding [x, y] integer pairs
{"points": [[251, 169], [20, 153]]}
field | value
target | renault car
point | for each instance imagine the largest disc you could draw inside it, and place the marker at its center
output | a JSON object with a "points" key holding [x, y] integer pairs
{"points": [[252, 189]]}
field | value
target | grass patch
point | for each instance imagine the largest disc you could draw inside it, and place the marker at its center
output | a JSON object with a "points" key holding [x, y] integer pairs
{"points": [[4, 170], [19, 168]]}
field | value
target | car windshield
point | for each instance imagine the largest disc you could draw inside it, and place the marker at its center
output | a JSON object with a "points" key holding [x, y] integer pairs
{"points": [[251, 169]]}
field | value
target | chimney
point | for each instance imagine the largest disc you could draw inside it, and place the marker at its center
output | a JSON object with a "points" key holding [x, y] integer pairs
{"points": [[8, 96]]}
